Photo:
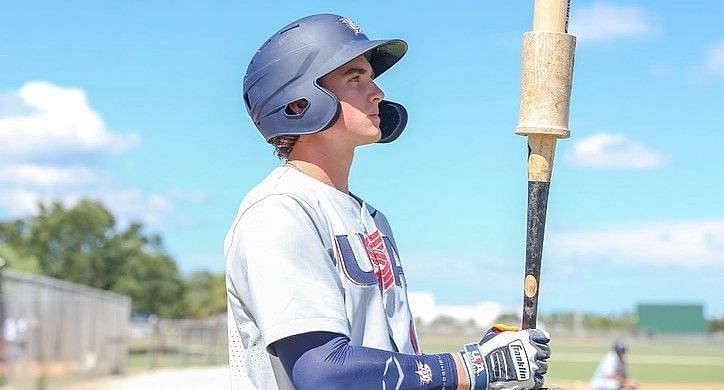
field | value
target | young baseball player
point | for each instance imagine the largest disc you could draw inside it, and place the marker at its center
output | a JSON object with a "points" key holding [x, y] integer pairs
{"points": [[316, 290], [611, 370]]}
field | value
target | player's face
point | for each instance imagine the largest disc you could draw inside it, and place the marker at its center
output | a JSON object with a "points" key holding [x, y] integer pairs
{"points": [[359, 120]]}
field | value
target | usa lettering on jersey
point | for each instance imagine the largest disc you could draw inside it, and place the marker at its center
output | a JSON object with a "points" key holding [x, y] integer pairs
{"points": [[380, 252], [381, 264]]}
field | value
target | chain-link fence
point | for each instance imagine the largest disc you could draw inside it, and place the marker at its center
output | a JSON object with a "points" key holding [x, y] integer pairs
{"points": [[55, 331], [183, 342]]}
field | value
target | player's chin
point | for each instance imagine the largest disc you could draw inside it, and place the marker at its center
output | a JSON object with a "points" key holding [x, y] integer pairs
{"points": [[369, 132], [371, 138], [377, 135], [375, 127]]}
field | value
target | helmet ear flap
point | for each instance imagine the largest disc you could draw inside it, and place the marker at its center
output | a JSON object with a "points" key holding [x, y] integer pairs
{"points": [[393, 119]]}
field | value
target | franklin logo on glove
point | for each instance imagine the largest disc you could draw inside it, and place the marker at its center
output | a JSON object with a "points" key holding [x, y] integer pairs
{"points": [[521, 361]]}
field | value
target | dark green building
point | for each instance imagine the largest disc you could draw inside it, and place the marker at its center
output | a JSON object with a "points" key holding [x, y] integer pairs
{"points": [[670, 319]]}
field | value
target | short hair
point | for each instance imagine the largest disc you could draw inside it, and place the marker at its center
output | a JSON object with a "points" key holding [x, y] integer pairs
{"points": [[283, 145]]}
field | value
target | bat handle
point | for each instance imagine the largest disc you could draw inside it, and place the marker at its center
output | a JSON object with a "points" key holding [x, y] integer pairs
{"points": [[537, 205], [541, 150]]}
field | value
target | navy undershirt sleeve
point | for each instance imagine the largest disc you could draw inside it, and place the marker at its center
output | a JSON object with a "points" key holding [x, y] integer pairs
{"points": [[323, 360]]}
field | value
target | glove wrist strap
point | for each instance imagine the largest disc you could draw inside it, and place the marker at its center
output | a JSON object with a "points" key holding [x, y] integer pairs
{"points": [[475, 365]]}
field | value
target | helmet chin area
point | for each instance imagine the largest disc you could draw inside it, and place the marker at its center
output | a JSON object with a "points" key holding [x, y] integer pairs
{"points": [[393, 119]]}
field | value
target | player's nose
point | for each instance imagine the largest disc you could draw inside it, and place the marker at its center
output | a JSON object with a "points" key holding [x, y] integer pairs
{"points": [[376, 94]]}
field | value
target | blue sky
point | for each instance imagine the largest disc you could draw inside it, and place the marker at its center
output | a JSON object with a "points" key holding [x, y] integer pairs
{"points": [[138, 104]]}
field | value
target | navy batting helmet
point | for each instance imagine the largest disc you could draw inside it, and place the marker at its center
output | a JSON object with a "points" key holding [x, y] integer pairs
{"points": [[620, 346], [289, 65]]}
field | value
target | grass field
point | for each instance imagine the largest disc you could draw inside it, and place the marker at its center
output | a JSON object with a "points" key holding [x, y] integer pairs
{"points": [[680, 363], [659, 364]]}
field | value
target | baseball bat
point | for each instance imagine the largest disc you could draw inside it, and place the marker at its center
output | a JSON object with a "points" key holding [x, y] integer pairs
{"points": [[546, 79]]}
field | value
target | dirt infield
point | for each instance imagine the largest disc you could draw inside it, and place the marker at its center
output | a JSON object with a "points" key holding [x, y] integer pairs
{"points": [[198, 378], [649, 386]]}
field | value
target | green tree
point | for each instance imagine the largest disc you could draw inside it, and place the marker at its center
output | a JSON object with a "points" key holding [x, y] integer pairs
{"points": [[11, 244], [146, 273], [154, 284], [205, 294], [82, 244], [18, 261], [715, 325], [70, 243]]}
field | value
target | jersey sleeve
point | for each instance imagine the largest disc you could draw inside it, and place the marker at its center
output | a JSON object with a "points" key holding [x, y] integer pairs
{"points": [[329, 361], [282, 271]]}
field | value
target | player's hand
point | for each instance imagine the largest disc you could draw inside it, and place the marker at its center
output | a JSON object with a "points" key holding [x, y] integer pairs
{"points": [[630, 385], [508, 359]]}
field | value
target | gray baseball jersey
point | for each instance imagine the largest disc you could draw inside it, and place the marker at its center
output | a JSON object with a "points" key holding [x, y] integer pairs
{"points": [[302, 256], [610, 366]]}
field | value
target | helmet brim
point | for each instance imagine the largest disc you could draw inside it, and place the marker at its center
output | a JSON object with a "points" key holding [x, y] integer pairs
{"points": [[381, 54], [385, 54]]}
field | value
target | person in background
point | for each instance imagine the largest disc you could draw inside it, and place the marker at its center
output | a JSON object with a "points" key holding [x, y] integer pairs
{"points": [[611, 371]]}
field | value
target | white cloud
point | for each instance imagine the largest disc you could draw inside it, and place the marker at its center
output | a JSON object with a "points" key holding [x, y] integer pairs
{"points": [[602, 22], [423, 304], [126, 204], [685, 243], [714, 62], [613, 151], [42, 121], [46, 131], [35, 175], [18, 201], [153, 209]]}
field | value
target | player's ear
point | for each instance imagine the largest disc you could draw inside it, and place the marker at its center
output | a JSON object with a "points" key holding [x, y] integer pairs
{"points": [[297, 107]]}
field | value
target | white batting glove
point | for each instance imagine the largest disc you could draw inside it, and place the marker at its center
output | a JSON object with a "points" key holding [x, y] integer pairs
{"points": [[506, 359]]}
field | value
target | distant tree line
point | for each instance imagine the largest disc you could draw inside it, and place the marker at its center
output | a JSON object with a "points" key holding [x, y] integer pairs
{"points": [[612, 322], [83, 244], [624, 322], [715, 325], [592, 322]]}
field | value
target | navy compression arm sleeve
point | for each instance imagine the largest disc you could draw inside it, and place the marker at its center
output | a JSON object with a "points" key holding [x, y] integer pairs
{"points": [[322, 360]]}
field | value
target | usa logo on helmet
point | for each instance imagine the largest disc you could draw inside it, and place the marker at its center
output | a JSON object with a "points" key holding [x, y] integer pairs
{"points": [[352, 25]]}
